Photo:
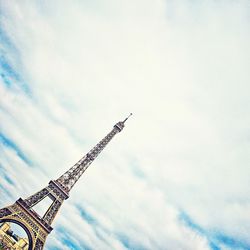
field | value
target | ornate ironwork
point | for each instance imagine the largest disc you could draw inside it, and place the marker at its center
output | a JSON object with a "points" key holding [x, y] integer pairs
{"points": [[4, 212], [35, 198], [70, 177], [40, 226], [52, 211], [39, 245]]}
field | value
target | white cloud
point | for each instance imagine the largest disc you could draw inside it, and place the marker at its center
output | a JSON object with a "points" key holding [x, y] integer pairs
{"points": [[181, 69]]}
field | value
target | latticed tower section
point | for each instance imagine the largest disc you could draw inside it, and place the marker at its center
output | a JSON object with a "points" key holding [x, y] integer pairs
{"points": [[22, 211]]}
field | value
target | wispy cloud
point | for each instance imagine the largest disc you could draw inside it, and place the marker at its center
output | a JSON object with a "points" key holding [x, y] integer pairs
{"points": [[10, 144], [217, 240], [177, 177]]}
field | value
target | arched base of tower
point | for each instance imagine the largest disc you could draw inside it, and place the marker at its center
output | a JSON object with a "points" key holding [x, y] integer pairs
{"points": [[29, 221]]}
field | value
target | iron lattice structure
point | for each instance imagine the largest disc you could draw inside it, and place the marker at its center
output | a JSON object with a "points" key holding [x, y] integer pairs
{"points": [[22, 212]]}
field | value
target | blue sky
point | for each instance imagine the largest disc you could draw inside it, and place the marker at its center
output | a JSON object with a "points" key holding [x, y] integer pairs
{"points": [[178, 175]]}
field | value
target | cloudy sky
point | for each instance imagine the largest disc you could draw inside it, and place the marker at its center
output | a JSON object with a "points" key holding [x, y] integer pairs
{"points": [[177, 177]]}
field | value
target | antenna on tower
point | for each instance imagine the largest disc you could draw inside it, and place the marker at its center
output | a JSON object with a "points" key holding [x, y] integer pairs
{"points": [[127, 117]]}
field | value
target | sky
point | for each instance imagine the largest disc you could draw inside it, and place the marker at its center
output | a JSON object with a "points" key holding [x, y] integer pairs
{"points": [[177, 177]]}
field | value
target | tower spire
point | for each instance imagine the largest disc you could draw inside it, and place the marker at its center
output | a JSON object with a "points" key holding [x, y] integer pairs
{"points": [[127, 118], [23, 211], [70, 177]]}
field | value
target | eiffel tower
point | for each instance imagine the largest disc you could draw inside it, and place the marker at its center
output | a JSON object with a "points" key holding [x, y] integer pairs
{"points": [[22, 212]]}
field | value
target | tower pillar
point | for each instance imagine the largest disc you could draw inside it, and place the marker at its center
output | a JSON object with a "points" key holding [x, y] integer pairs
{"points": [[22, 211]]}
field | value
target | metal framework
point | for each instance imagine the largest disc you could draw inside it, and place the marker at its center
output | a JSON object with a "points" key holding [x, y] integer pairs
{"points": [[22, 212]]}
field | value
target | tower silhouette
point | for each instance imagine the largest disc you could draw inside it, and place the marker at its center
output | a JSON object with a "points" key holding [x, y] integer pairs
{"points": [[22, 212]]}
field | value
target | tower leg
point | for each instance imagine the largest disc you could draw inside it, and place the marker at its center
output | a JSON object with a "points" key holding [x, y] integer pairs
{"points": [[18, 214]]}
